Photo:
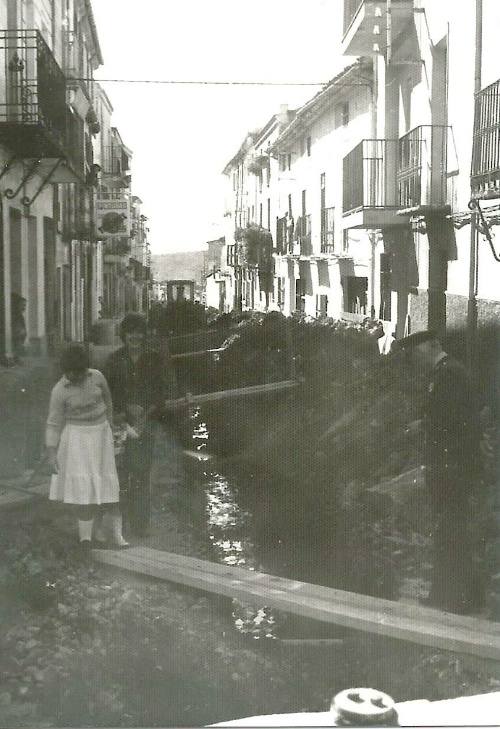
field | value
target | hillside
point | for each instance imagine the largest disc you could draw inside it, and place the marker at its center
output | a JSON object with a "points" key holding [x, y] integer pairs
{"points": [[188, 265]]}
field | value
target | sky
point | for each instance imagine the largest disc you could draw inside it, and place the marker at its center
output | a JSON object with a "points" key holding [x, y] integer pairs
{"points": [[183, 135]]}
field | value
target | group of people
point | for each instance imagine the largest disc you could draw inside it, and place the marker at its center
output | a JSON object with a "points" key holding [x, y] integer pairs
{"points": [[86, 404], [86, 407]]}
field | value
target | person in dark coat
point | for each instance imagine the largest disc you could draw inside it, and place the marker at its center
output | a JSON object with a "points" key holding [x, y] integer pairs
{"points": [[452, 463], [140, 380]]}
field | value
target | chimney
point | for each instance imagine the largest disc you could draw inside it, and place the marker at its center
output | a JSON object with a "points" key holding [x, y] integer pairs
{"points": [[282, 116]]}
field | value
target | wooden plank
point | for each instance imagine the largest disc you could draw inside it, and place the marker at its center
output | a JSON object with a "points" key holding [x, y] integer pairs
{"points": [[196, 340], [425, 626], [183, 355], [235, 392], [342, 596]]}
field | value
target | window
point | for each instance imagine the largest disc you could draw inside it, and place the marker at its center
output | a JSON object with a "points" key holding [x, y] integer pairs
{"points": [[321, 305], [328, 230], [260, 214], [342, 114], [280, 292], [281, 239], [300, 294], [289, 161], [308, 146]]}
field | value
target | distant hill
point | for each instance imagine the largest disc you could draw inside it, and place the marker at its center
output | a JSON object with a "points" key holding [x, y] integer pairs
{"points": [[189, 265]]}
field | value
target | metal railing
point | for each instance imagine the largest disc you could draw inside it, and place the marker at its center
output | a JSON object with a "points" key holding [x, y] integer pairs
{"points": [[485, 169], [327, 230], [365, 175], [422, 166], [32, 93], [404, 173], [117, 246]]}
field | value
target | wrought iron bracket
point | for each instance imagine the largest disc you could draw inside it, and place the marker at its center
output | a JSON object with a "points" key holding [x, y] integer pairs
{"points": [[484, 227], [8, 165], [29, 200], [9, 193]]}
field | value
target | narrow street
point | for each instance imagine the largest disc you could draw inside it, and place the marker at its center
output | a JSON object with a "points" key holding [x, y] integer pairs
{"points": [[249, 345], [195, 658]]}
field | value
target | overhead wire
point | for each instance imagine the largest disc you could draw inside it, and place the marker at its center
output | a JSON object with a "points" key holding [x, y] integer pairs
{"points": [[213, 83]]}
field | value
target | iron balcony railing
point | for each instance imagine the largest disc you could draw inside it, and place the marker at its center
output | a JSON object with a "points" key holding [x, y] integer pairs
{"points": [[402, 173], [365, 175], [485, 170], [117, 246], [34, 116], [422, 166], [327, 230]]}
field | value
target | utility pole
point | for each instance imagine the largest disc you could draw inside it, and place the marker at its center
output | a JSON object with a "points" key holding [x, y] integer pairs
{"points": [[473, 264]]}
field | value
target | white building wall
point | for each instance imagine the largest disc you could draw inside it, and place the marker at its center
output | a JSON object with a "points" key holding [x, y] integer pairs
{"points": [[330, 143], [440, 21]]}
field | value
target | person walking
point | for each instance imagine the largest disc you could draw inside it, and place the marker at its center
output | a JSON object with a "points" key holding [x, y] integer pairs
{"points": [[140, 380], [452, 463], [80, 448]]}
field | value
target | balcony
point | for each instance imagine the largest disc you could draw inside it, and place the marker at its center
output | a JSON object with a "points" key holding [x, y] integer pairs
{"points": [[422, 168], [369, 184], [485, 171], [385, 176], [327, 230], [34, 116], [116, 249], [365, 25], [304, 235]]}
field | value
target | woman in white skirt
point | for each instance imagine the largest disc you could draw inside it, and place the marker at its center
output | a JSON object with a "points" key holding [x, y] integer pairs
{"points": [[80, 448]]}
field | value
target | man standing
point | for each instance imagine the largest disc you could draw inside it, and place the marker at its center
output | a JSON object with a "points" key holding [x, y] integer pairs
{"points": [[452, 470], [140, 380]]}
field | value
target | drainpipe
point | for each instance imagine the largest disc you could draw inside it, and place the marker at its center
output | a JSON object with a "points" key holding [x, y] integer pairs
{"points": [[472, 301], [389, 31], [374, 135]]}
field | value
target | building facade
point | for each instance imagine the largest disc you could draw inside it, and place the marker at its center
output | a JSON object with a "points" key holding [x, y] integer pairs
{"points": [[381, 192], [428, 107], [56, 141]]}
